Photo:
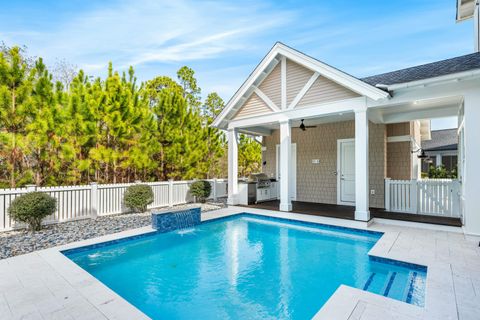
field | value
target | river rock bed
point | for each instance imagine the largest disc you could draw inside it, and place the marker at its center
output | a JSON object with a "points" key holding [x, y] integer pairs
{"points": [[18, 242]]}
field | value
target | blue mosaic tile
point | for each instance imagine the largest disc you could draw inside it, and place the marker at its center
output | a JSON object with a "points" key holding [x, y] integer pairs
{"points": [[411, 288], [399, 263], [169, 220]]}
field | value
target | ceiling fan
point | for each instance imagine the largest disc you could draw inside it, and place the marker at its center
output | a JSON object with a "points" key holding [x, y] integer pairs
{"points": [[303, 127]]}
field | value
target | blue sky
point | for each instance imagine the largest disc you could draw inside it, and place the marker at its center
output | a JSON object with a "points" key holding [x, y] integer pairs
{"points": [[224, 40]]}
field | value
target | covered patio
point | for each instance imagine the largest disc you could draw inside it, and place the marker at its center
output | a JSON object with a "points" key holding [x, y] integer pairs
{"points": [[333, 143], [348, 212]]}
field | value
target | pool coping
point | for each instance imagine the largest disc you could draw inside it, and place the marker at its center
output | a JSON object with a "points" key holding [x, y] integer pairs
{"points": [[439, 303]]}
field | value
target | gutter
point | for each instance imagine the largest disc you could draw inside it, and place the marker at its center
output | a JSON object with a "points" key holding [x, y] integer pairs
{"points": [[432, 81]]}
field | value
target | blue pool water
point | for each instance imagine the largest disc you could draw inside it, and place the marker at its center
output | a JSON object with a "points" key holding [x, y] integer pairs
{"points": [[246, 266]]}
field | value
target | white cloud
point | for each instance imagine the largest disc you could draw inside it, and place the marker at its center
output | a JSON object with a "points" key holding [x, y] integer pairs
{"points": [[147, 31]]}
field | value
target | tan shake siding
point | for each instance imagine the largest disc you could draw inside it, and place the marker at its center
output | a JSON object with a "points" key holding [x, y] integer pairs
{"points": [[399, 161], [254, 106], [271, 85], [377, 159], [318, 182], [297, 77], [398, 129], [324, 90]]}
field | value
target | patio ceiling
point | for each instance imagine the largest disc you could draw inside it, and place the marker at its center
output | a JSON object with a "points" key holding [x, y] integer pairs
{"points": [[416, 110], [267, 128]]}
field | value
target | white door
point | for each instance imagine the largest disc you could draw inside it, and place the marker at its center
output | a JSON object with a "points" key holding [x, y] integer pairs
{"points": [[346, 171], [293, 170]]}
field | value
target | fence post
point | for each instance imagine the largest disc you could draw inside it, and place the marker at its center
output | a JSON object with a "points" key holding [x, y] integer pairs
{"points": [[455, 194], [94, 200], [413, 196], [387, 194], [215, 189], [31, 187], [170, 193]]}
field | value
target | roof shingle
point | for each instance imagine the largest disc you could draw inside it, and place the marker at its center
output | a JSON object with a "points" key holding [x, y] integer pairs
{"points": [[441, 140], [429, 70]]}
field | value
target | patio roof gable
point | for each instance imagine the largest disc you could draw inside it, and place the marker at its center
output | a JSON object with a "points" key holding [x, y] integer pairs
{"points": [[267, 89]]}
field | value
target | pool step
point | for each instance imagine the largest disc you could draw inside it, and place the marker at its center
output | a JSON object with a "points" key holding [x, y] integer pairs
{"points": [[394, 285]]}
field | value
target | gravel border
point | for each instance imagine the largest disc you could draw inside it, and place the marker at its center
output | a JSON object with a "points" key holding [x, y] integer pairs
{"points": [[16, 242]]}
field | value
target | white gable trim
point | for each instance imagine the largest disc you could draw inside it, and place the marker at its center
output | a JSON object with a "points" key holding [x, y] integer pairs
{"points": [[266, 99], [283, 85], [304, 90], [325, 70], [269, 58]]}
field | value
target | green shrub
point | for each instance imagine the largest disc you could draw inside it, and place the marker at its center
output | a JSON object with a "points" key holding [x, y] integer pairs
{"points": [[31, 208], [441, 172], [138, 197], [201, 190]]}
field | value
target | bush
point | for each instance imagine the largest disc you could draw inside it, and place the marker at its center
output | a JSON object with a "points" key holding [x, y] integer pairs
{"points": [[31, 208], [441, 172], [138, 197], [201, 190]]}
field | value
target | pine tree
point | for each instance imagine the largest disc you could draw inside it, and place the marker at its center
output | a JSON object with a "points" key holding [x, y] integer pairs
{"points": [[249, 155], [106, 130], [190, 90], [42, 139], [216, 146]]}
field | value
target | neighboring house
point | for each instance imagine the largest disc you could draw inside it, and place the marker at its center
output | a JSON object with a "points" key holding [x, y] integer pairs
{"points": [[441, 149], [359, 132]]}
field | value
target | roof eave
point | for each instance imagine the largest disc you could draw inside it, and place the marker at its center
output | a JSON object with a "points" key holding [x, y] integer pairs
{"points": [[465, 10], [470, 74]]}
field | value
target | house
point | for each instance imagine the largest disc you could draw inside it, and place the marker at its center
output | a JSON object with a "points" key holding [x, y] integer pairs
{"points": [[360, 134], [441, 149]]}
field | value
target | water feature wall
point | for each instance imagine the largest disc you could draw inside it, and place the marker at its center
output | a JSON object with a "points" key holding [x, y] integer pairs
{"points": [[171, 219]]}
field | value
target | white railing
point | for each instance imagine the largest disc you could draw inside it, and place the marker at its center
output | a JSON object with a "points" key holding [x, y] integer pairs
{"points": [[439, 197], [85, 201]]}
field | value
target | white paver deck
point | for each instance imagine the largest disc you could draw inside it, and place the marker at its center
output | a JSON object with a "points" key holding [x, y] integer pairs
{"points": [[47, 285]]}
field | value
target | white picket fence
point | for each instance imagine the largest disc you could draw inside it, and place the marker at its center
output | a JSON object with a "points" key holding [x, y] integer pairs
{"points": [[438, 197], [85, 201]]}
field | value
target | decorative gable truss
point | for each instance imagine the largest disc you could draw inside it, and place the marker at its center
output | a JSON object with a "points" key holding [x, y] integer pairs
{"points": [[287, 79]]}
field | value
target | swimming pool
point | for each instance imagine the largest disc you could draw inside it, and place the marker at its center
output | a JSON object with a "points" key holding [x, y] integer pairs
{"points": [[246, 266]]}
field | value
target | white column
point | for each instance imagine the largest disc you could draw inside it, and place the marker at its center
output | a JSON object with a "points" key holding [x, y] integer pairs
{"points": [[361, 166], [285, 161], [438, 160], [232, 167], [471, 174]]}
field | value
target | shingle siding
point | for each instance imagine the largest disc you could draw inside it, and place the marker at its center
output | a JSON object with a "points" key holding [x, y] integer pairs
{"points": [[399, 156], [318, 182], [297, 77], [325, 90], [270, 86], [254, 106]]}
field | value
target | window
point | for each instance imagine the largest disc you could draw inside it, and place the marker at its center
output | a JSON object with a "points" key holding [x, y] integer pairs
{"points": [[450, 162]]}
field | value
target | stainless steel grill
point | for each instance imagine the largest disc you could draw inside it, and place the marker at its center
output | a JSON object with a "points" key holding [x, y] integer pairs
{"points": [[261, 180]]}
